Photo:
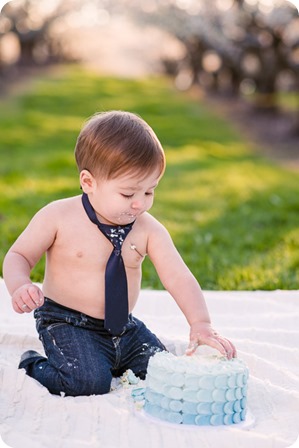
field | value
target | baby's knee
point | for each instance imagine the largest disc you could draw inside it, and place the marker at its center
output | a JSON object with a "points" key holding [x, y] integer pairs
{"points": [[84, 386], [86, 383]]}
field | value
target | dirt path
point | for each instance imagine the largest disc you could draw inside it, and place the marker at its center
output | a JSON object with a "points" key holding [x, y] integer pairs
{"points": [[271, 134]]}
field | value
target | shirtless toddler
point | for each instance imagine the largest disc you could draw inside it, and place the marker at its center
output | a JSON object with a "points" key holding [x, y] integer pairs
{"points": [[120, 161]]}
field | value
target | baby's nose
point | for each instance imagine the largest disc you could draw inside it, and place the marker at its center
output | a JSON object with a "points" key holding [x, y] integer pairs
{"points": [[137, 205]]}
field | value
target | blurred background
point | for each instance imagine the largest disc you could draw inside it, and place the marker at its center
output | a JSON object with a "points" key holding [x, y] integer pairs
{"points": [[218, 81], [233, 47]]}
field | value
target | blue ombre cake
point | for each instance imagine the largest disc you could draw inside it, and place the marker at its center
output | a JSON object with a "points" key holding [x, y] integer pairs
{"points": [[196, 390]]}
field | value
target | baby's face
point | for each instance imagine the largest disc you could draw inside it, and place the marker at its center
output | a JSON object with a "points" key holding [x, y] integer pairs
{"points": [[123, 199]]}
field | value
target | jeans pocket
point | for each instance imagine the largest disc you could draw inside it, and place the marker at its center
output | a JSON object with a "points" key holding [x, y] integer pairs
{"points": [[54, 325], [45, 322]]}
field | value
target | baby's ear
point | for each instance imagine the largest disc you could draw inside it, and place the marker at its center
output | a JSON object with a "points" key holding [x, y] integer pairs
{"points": [[87, 181]]}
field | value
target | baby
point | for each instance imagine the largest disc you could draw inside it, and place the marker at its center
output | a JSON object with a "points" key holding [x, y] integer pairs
{"points": [[95, 244]]}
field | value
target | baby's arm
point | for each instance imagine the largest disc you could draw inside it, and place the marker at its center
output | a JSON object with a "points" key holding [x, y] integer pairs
{"points": [[184, 288], [38, 236]]}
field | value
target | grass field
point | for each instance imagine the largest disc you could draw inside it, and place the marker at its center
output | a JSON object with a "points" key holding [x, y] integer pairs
{"points": [[233, 215]]}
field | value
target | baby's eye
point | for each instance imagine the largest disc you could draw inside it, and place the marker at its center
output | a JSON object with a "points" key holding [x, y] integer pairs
{"points": [[149, 193], [127, 196]]}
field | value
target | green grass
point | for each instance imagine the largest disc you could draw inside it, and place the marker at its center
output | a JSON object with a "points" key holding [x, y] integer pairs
{"points": [[233, 215]]}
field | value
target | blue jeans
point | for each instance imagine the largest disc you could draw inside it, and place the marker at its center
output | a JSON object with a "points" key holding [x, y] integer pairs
{"points": [[82, 357]]}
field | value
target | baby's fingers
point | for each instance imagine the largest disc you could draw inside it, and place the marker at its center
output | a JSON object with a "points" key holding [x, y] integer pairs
{"points": [[229, 347], [27, 298], [191, 349], [36, 295], [223, 345], [217, 343]]}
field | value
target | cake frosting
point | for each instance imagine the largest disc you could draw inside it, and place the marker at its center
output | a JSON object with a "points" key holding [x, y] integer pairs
{"points": [[196, 390]]}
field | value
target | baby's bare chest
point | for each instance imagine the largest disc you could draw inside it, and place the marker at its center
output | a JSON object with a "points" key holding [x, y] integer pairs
{"points": [[89, 247]]}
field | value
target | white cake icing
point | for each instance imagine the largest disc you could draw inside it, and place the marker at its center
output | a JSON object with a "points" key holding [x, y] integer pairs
{"points": [[199, 390]]}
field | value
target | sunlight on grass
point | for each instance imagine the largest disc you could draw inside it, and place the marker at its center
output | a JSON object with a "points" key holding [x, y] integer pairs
{"points": [[39, 186], [233, 215]]}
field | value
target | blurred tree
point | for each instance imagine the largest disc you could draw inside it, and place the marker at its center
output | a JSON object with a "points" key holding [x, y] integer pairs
{"points": [[266, 52], [40, 28], [31, 21], [233, 46]]}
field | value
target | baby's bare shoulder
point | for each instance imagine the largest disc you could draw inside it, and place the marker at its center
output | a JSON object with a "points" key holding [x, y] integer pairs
{"points": [[62, 207], [150, 223]]}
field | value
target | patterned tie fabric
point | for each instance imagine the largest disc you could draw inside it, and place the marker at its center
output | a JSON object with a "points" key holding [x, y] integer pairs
{"points": [[116, 288]]}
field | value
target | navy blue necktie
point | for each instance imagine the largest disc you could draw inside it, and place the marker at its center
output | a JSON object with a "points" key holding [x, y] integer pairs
{"points": [[116, 288]]}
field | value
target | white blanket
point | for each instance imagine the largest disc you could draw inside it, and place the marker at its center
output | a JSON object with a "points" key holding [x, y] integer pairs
{"points": [[263, 325]]}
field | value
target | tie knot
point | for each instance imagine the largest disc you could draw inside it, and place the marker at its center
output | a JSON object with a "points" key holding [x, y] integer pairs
{"points": [[116, 234]]}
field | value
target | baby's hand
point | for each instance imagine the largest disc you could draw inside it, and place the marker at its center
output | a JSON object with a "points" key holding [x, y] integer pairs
{"points": [[201, 333], [27, 298]]}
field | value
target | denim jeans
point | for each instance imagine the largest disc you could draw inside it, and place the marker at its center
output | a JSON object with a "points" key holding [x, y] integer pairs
{"points": [[82, 357]]}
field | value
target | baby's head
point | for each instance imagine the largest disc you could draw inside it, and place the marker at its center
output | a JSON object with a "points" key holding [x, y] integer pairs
{"points": [[114, 143]]}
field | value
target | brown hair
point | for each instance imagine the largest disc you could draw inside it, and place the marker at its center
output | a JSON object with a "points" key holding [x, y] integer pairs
{"points": [[116, 142]]}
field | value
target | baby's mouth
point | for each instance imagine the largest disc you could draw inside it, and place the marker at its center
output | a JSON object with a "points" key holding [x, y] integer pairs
{"points": [[125, 215]]}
